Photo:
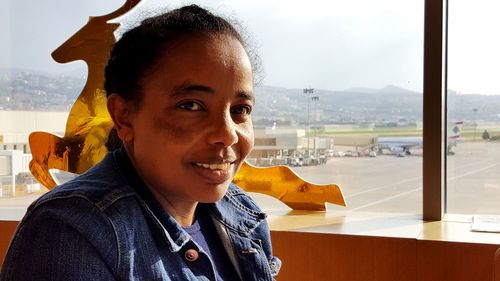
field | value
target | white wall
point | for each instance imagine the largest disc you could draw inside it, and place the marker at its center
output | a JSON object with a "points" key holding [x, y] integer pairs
{"points": [[15, 126]]}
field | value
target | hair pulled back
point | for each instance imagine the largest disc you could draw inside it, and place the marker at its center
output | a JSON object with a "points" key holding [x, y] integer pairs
{"points": [[137, 52]]}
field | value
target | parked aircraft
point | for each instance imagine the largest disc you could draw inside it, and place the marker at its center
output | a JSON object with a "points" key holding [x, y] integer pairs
{"points": [[401, 145], [454, 132]]}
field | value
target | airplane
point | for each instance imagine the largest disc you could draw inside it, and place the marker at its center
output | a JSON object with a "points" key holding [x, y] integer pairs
{"points": [[454, 136], [401, 145]]}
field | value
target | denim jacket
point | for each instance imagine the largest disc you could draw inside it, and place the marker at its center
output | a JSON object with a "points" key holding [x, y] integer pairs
{"points": [[97, 227]]}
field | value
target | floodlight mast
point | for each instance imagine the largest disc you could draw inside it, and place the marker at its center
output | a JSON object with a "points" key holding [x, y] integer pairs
{"points": [[308, 91]]}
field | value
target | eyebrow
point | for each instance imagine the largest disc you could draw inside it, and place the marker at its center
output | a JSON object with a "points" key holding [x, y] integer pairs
{"points": [[246, 95], [188, 87]]}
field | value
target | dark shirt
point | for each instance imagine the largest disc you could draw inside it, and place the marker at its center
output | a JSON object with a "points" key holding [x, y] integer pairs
{"points": [[205, 235]]}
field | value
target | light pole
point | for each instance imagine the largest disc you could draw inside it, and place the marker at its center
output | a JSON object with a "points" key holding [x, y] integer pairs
{"points": [[475, 122], [315, 99], [308, 91]]}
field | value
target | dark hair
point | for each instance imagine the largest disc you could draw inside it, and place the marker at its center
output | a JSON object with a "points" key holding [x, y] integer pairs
{"points": [[136, 54], [113, 142]]}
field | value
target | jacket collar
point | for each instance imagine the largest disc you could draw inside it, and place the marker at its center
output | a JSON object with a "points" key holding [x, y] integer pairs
{"points": [[172, 231], [237, 211], [232, 210]]}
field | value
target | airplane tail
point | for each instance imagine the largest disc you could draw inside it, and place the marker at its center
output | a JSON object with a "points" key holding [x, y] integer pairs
{"points": [[455, 130], [454, 133]]}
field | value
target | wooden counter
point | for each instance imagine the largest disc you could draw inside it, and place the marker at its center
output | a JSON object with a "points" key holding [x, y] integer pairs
{"points": [[381, 247], [370, 246]]}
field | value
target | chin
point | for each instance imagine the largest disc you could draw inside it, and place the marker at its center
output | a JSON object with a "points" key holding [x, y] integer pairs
{"points": [[215, 195]]}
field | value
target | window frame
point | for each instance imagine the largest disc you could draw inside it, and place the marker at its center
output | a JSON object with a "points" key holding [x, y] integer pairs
{"points": [[434, 110]]}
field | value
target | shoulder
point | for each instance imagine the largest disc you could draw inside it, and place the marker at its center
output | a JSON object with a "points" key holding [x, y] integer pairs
{"points": [[80, 214], [59, 241], [88, 206], [81, 208], [99, 187]]}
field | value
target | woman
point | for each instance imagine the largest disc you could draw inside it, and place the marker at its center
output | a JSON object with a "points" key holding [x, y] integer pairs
{"points": [[162, 207]]}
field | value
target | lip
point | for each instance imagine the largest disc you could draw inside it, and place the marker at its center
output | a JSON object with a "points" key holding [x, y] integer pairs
{"points": [[215, 176]]}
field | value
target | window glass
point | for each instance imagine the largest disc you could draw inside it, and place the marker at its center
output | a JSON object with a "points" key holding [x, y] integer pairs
{"points": [[36, 93], [339, 99], [473, 181], [341, 95]]}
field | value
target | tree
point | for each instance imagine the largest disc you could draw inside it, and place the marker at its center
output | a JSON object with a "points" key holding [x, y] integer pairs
{"points": [[486, 135]]}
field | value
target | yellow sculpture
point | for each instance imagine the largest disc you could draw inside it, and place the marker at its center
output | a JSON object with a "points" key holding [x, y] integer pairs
{"points": [[282, 183], [89, 124]]}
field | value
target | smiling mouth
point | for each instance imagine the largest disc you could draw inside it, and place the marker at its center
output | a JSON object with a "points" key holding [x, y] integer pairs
{"points": [[222, 166], [215, 173]]}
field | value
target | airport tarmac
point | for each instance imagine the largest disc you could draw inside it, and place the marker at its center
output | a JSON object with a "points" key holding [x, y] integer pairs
{"points": [[386, 183]]}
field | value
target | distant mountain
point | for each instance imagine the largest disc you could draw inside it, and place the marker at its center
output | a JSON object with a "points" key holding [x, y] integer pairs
{"points": [[351, 105], [22, 89], [389, 89], [17, 70], [387, 104], [77, 71]]}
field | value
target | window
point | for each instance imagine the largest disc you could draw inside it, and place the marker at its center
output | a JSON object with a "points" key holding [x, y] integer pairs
{"points": [[341, 96], [473, 181], [340, 99], [36, 93]]}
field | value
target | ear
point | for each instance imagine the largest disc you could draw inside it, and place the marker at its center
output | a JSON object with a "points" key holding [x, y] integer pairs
{"points": [[121, 113]]}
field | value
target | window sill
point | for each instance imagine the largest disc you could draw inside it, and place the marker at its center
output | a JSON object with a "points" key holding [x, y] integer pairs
{"points": [[354, 240], [453, 228]]}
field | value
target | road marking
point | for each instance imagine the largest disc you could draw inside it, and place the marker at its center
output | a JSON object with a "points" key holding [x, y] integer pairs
{"points": [[491, 186], [412, 179], [382, 187], [473, 172], [465, 165], [413, 190], [384, 200]]}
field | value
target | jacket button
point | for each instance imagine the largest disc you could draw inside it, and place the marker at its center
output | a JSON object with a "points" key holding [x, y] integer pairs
{"points": [[191, 255]]}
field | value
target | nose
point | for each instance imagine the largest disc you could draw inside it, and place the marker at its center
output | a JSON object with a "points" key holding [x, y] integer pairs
{"points": [[223, 131]]}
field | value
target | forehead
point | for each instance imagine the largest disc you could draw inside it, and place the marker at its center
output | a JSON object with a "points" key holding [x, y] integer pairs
{"points": [[205, 53], [215, 62]]}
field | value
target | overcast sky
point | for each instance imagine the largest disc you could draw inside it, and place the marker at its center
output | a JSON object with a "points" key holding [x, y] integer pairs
{"points": [[324, 44]]}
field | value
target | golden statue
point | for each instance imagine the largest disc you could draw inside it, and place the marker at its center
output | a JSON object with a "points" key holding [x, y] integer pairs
{"points": [[89, 125]]}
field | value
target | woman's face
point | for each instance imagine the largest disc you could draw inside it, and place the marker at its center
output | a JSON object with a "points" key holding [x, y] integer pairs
{"points": [[192, 130]]}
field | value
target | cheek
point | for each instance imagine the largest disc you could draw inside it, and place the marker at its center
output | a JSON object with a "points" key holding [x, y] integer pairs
{"points": [[246, 140], [173, 132]]}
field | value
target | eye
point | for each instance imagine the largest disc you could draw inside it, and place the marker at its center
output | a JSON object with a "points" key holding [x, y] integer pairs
{"points": [[242, 110], [190, 106]]}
